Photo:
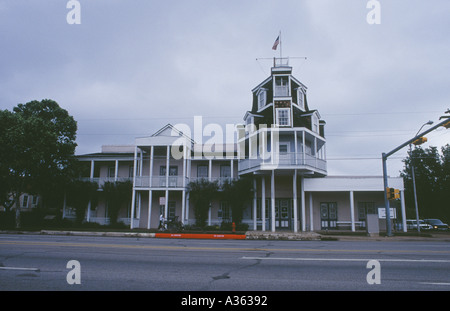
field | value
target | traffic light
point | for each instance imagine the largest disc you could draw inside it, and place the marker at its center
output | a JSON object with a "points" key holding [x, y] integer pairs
{"points": [[396, 194], [392, 193], [420, 141]]}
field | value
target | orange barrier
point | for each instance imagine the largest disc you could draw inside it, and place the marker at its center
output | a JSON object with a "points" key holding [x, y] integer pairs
{"points": [[200, 236]]}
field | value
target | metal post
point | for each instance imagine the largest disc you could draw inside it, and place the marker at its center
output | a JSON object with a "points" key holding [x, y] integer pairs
{"points": [[414, 190], [386, 201], [384, 157]]}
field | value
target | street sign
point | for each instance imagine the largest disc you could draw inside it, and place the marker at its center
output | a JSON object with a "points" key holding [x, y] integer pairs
{"points": [[162, 200], [382, 213]]}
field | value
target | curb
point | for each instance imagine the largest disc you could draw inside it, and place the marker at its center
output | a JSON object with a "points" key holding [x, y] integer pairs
{"points": [[201, 236]]}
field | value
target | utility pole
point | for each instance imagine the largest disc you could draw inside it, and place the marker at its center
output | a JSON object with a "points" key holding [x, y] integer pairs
{"points": [[384, 157]]}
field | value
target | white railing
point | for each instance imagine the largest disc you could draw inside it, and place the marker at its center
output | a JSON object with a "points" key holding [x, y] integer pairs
{"points": [[102, 180], [160, 182], [220, 180], [284, 160]]}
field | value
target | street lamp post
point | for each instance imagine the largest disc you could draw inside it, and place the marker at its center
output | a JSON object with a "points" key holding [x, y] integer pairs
{"points": [[385, 156], [414, 178]]}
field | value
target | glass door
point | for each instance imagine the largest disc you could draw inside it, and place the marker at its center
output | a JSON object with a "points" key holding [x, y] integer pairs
{"points": [[328, 215]]}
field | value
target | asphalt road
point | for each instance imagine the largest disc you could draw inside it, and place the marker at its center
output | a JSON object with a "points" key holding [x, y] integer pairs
{"points": [[40, 263]]}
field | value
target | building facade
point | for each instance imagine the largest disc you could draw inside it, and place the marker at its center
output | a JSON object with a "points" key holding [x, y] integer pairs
{"points": [[281, 146]]}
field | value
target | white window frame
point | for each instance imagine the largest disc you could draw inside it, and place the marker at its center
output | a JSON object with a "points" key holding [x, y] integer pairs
{"points": [[25, 200], [262, 99], [288, 117], [301, 99], [283, 144], [315, 123], [282, 89]]}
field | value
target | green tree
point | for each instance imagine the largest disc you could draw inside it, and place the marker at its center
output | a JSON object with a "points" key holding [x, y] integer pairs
{"points": [[79, 194], [117, 194], [237, 193], [432, 175], [201, 193], [38, 145]]}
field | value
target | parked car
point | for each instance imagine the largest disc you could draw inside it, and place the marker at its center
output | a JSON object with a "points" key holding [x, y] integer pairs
{"points": [[437, 224], [411, 224]]}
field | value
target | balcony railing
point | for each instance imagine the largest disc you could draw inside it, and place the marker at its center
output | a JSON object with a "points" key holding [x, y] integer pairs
{"points": [[102, 180], [160, 182], [287, 160], [220, 180]]}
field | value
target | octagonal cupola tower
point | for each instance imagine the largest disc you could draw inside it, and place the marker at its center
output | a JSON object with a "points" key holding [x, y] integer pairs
{"points": [[280, 111]]}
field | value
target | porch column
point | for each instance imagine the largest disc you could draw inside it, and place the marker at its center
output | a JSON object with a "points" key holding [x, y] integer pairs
{"points": [[311, 210], [295, 207], [272, 198], [402, 202], [116, 170], [352, 211], [295, 148], [183, 193], [166, 206], [210, 170], [302, 198], [183, 205], [232, 169], [209, 215], [304, 148], [88, 214], [263, 203], [254, 204], [187, 208], [92, 170], [151, 166], [133, 195], [150, 195], [167, 166]]}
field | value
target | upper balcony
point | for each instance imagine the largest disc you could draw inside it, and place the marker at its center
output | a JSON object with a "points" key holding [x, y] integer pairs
{"points": [[284, 161]]}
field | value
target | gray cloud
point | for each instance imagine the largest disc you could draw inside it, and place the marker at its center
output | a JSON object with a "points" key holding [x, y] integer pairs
{"points": [[133, 66]]}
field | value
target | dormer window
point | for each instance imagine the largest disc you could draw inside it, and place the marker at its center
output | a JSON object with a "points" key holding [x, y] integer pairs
{"points": [[262, 98], [315, 123], [301, 99]]}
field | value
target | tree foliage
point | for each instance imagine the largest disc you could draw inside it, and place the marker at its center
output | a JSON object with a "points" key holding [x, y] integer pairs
{"points": [[38, 145], [79, 194], [117, 194], [201, 193], [432, 175], [237, 193]]}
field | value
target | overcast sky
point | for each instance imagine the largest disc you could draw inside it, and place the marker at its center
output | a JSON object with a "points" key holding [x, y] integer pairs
{"points": [[133, 66]]}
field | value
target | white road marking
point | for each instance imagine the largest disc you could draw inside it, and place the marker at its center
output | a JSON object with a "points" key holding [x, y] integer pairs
{"points": [[435, 283], [19, 268], [345, 259]]}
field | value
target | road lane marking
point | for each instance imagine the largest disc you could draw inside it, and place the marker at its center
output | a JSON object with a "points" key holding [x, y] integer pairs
{"points": [[435, 283], [20, 269], [345, 259], [156, 247]]}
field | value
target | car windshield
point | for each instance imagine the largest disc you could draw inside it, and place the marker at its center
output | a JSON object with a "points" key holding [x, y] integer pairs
{"points": [[435, 221]]}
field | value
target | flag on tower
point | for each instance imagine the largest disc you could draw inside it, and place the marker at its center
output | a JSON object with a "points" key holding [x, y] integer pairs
{"points": [[275, 45]]}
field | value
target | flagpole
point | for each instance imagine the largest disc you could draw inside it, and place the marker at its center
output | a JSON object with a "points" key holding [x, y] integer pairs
{"points": [[281, 48]]}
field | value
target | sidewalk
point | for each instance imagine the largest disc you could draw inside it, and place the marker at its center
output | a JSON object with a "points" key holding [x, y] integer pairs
{"points": [[251, 235]]}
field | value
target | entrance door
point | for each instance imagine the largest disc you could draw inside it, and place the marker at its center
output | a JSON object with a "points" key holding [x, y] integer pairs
{"points": [[328, 215], [282, 213]]}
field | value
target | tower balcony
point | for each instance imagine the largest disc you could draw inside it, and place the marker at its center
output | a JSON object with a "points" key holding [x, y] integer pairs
{"points": [[284, 161]]}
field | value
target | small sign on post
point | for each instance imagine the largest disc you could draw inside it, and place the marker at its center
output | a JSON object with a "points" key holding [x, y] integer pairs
{"points": [[382, 213]]}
